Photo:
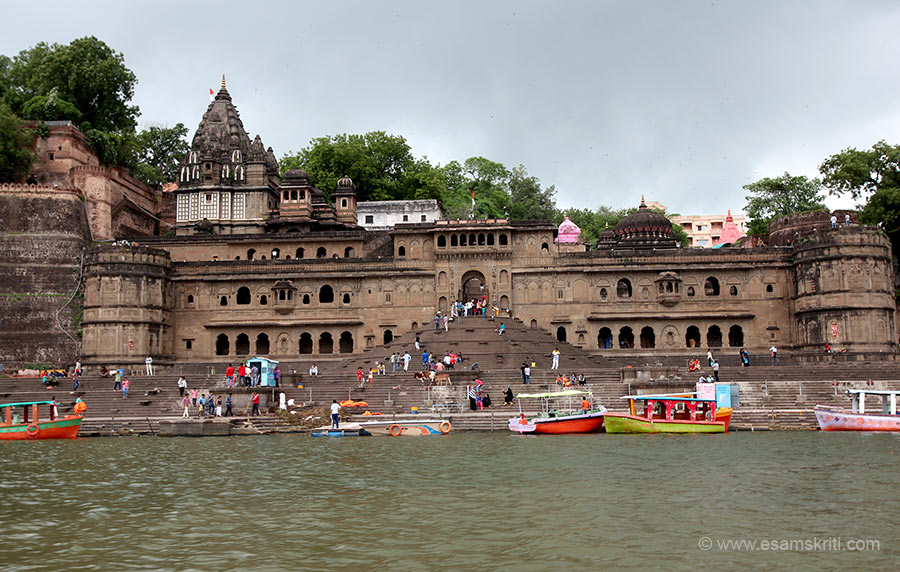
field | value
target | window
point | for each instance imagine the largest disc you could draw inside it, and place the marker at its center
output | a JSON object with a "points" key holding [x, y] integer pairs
{"points": [[733, 291], [243, 296], [545, 248], [603, 294], [623, 288], [424, 218], [370, 219], [770, 288], [276, 253], [343, 203], [503, 240], [454, 240], [190, 299], [405, 218], [442, 241], [223, 301], [263, 300], [346, 298], [300, 252], [306, 298], [490, 239], [690, 291], [348, 252], [401, 251], [326, 294], [711, 286], [701, 242], [188, 344], [321, 252], [250, 254]]}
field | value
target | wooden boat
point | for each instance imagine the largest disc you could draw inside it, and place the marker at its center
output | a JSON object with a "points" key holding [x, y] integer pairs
{"points": [[670, 413], [406, 427], [858, 419], [28, 425], [558, 421]]}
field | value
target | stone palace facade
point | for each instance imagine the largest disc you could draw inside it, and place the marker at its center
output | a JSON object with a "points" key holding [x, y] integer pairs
{"points": [[258, 266]]}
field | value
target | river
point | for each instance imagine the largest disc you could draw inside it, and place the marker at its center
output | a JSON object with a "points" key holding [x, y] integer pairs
{"points": [[461, 502]]}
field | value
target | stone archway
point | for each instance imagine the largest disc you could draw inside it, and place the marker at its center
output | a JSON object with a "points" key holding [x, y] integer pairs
{"points": [[473, 286]]}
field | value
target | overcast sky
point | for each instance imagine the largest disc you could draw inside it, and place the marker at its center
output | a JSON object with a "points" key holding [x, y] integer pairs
{"points": [[684, 102]]}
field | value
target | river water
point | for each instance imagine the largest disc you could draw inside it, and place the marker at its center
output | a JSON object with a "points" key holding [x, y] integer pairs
{"points": [[465, 501]]}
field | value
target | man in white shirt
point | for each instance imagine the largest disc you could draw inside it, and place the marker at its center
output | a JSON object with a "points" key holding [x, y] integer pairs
{"points": [[406, 359], [335, 409], [149, 363], [774, 352]]}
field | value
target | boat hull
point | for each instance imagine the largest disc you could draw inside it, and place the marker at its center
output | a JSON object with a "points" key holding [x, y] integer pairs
{"points": [[624, 423], [567, 424], [835, 419], [65, 428], [407, 427]]}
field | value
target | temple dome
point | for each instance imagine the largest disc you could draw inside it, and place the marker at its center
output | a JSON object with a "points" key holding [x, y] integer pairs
{"points": [[221, 131], [345, 182], [644, 222], [295, 177], [568, 232]]}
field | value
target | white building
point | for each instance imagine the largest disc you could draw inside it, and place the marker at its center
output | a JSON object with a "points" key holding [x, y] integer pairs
{"points": [[383, 215]]}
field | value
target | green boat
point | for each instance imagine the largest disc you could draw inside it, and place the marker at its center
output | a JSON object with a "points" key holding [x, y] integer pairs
{"points": [[671, 413]]}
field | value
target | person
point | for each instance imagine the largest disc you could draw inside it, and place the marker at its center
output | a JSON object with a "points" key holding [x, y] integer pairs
{"points": [[211, 405], [715, 366], [219, 406], [282, 401], [182, 385], [75, 375], [522, 369], [406, 359], [393, 362], [381, 369], [186, 403], [80, 407], [314, 370], [508, 396], [479, 401], [194, 397], [502, 329], [425, 360], [709, 357], [254, 400], [254, 376], [827, 348], [774, 351], [125, 385], [555, 364], [229, 375], [585, 405], [104, 372], [242, 374], [417, 343], [335, 409], [446, 323], [54, 404], [202, 405], [359, 376], [277, 375], [149, 365], [117, 386], [228, 403], [745, 358], [372, 377], [833, 221], [847, 219], [527, 374]]}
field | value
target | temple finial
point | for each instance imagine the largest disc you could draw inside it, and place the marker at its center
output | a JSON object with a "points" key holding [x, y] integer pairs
{"points": [[729, 212], [642, 200], [223, 81]]}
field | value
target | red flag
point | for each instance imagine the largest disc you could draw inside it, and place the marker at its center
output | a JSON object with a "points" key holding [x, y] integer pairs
{"points": [[211, 92]]}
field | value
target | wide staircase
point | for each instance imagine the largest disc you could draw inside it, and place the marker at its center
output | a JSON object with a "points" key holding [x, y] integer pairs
{"points": [[771, 397]]}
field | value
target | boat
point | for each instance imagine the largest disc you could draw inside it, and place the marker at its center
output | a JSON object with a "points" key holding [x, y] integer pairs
{"points": [[858, 419], [406, 427], [558, 421], [669, 413], [27, 425]]}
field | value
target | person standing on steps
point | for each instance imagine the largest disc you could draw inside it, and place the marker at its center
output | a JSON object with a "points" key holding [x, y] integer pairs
{"points": [[745, 358], [406, 359], [186, 403], [425, 360], [508, 395], [229, 375], [709, 357], [117, 386], [527, 373], [125, 385], [524, 380], [555, 364], [228, 403], [194, 397], [182, 385], [418, 346], [335, 410], [774, 351], [715, 366], [254, 400], [149, 365]]}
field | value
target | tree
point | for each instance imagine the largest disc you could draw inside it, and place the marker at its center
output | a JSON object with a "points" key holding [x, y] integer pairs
{"points": [[771, 198], [16, 147], [527, 200], [86, 73], [158, 153]]}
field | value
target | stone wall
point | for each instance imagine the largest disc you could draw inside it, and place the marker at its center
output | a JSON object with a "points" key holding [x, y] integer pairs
{"points": [[43, 232]]}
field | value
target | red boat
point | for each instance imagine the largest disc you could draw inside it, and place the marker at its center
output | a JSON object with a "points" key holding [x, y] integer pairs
{"points": [[558, 421], [858, 419], [27, 425]]}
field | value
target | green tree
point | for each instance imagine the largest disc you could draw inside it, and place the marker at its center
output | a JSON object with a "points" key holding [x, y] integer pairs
{"points": [[771, 198], [159, 150], [873, 176], [86, 73], [16, 147], [50, 107], [527, 200]]}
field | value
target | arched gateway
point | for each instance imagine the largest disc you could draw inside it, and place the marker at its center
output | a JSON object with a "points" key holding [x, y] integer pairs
{"points": [[473, 286]]}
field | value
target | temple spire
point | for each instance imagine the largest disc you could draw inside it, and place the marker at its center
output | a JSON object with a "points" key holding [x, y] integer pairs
{"points": [[223, 81]]}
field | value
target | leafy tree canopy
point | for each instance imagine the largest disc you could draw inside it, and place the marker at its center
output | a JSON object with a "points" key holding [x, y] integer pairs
{"points": [[158, 152], [16, 152], [771, 198]]}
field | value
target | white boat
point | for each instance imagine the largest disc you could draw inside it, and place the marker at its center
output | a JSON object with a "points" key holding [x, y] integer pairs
{"points": [[858, 419], [406, 427]]}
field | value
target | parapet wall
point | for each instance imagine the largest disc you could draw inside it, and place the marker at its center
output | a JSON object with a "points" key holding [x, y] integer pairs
{"points": [[783, 230], [43, 231]]}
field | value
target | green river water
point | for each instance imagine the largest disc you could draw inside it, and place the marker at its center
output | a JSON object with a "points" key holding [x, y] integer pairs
{"points": [[465, 501]]}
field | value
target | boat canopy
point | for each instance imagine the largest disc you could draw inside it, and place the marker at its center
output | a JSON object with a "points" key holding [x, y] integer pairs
{"points": [[874, 391], [666, 398], [566, 393], [25, 403]]}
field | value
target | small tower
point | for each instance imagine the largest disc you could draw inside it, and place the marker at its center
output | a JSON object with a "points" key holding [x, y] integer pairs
{"points": [[345, 201]]}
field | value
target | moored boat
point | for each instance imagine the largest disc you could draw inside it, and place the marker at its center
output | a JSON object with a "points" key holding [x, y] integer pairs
{"points": [[858, 419], [406, 427], [27, 424], [558, 421], [671, 413]]}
